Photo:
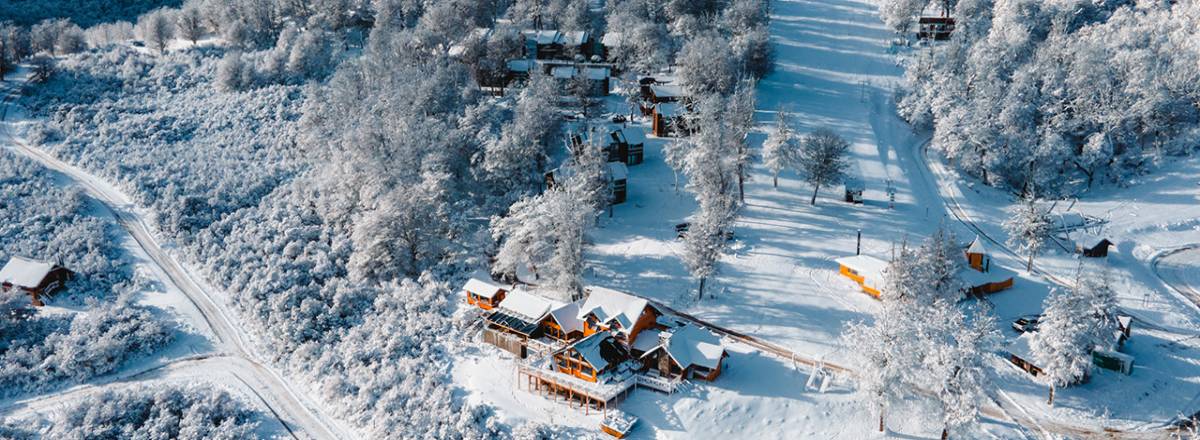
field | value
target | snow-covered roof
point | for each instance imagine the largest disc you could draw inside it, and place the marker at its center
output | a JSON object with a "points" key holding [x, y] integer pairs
{"points": [[868, 267], [592, 349], [528, 305], [611, 39], [574, 38], [618, 171], [25, 272], [667, 91], [669, 109], [647, 340], [562, 72], [596, 73], [690, 345], [567, 317], [1020, 347], [520, 65], [634, 135], [610, 305], [481, 288], [977, 247], [995, 274], [543, 38]]}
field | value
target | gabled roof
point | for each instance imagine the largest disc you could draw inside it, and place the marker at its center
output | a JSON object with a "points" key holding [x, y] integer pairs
{"points": [[612, 39], [647, 340], [610, 305], [634, 135], [481, 288], [532, 307], [25, 272], [690, 345], [977, 247], [567, 317], [574, 38], [618, 171], [667, 91], [543, 38], [600, 350]]}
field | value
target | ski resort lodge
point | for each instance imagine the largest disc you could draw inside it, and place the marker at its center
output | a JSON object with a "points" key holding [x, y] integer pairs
{"points": [[979, 275], [594, 351], [34, 278]]}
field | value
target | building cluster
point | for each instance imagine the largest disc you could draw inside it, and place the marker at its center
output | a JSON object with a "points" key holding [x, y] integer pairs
{"points": [[595, 350], [979, 275]]}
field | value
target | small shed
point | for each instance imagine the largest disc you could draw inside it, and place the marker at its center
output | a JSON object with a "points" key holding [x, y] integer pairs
{"points": [[664, 93], [1021, 355], [865, 270], [636, 138], [1113, 360], [667, 119], [483, 294], [935, 28], [978, 257], [618, 176], [617, 423], [33, 277], [610, 41], [1092, 246]]}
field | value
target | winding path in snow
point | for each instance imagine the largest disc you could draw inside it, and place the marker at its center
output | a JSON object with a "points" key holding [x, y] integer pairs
{"points": [[293, 408]]}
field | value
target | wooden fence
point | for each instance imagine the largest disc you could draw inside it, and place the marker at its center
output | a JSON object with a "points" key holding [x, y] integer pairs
{"points": [[506, 341]]}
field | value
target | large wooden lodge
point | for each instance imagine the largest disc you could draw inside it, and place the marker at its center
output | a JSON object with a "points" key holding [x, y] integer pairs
{"points": [[595, 350]]}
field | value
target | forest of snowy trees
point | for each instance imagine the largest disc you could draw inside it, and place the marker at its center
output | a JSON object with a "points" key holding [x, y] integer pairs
{"points": [[339, 187], [44, 221], [163, 412], [1056, 96]]}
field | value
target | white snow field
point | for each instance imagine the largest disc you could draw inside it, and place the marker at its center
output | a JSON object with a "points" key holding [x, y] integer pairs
{"points": [[225, 355]]}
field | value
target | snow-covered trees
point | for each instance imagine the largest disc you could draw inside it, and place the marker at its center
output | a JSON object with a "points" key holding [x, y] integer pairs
{"points": [[106, 34], [780, 147], [1075, 100], [156, 28], [189, 23], [921, 345], [1029, 228], [706, 66], [516, 159], [195, 412], [1074, 321], [822, 159]]}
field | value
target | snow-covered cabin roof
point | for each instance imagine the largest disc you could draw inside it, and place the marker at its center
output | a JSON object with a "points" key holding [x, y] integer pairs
{"points": [[574, 38], [543, 38], [995, 274], [610, 305], [25, 272], [690, 345], [520, 65], [596, 73], [612, 39], [669, 109], [618, 171], [647, 340], [1020, 347], [481, 288], [599, 350], [528, 305], [634, 135], [866, 266], [667, 91], [567, 317], [977, 247], [562, 72]]}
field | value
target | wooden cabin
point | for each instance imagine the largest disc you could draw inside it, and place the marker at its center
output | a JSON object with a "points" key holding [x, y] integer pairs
{"points": [[664, 93], [618, 177], [1021, 355], [686, 352], [483, 294], [607, 310], [935, 28], [980, 277], [635, 137], [591, 357], [865, 270], [555, 45], [33, 277], [668, 119]]}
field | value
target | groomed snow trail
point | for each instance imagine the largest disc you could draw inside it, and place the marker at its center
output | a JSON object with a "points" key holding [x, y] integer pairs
{"points": [[243, 362]]}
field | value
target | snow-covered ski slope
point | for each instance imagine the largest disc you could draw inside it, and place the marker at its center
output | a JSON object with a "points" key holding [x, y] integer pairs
{"points": [[193, 300]]}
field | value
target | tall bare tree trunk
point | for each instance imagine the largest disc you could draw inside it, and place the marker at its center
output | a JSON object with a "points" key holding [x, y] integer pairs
{"points": [[814, 197], [1029, 265], [1051, 401], [776, 177], [701, 296], [881, 420]]}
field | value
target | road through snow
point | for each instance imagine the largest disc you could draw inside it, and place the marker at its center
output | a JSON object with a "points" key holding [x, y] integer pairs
{"points": [[294, 408]]}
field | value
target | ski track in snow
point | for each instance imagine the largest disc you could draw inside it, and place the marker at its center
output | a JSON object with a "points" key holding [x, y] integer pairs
{"points": [[293, 408]]}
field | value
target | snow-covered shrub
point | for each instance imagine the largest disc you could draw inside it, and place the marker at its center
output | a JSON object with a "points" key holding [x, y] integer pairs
{"points": [[42, 351], [194, 412]]}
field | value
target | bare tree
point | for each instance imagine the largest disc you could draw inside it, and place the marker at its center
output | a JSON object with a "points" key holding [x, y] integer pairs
{"points": [[156, 29], [1028, 229], [822, 159], [189, 23]]}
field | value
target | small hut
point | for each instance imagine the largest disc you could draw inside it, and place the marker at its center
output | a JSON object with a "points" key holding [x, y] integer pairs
{"points": [[978, 257], [618, 176], [34, 278], [935, 28], [483, 294], [1092, 246]]}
